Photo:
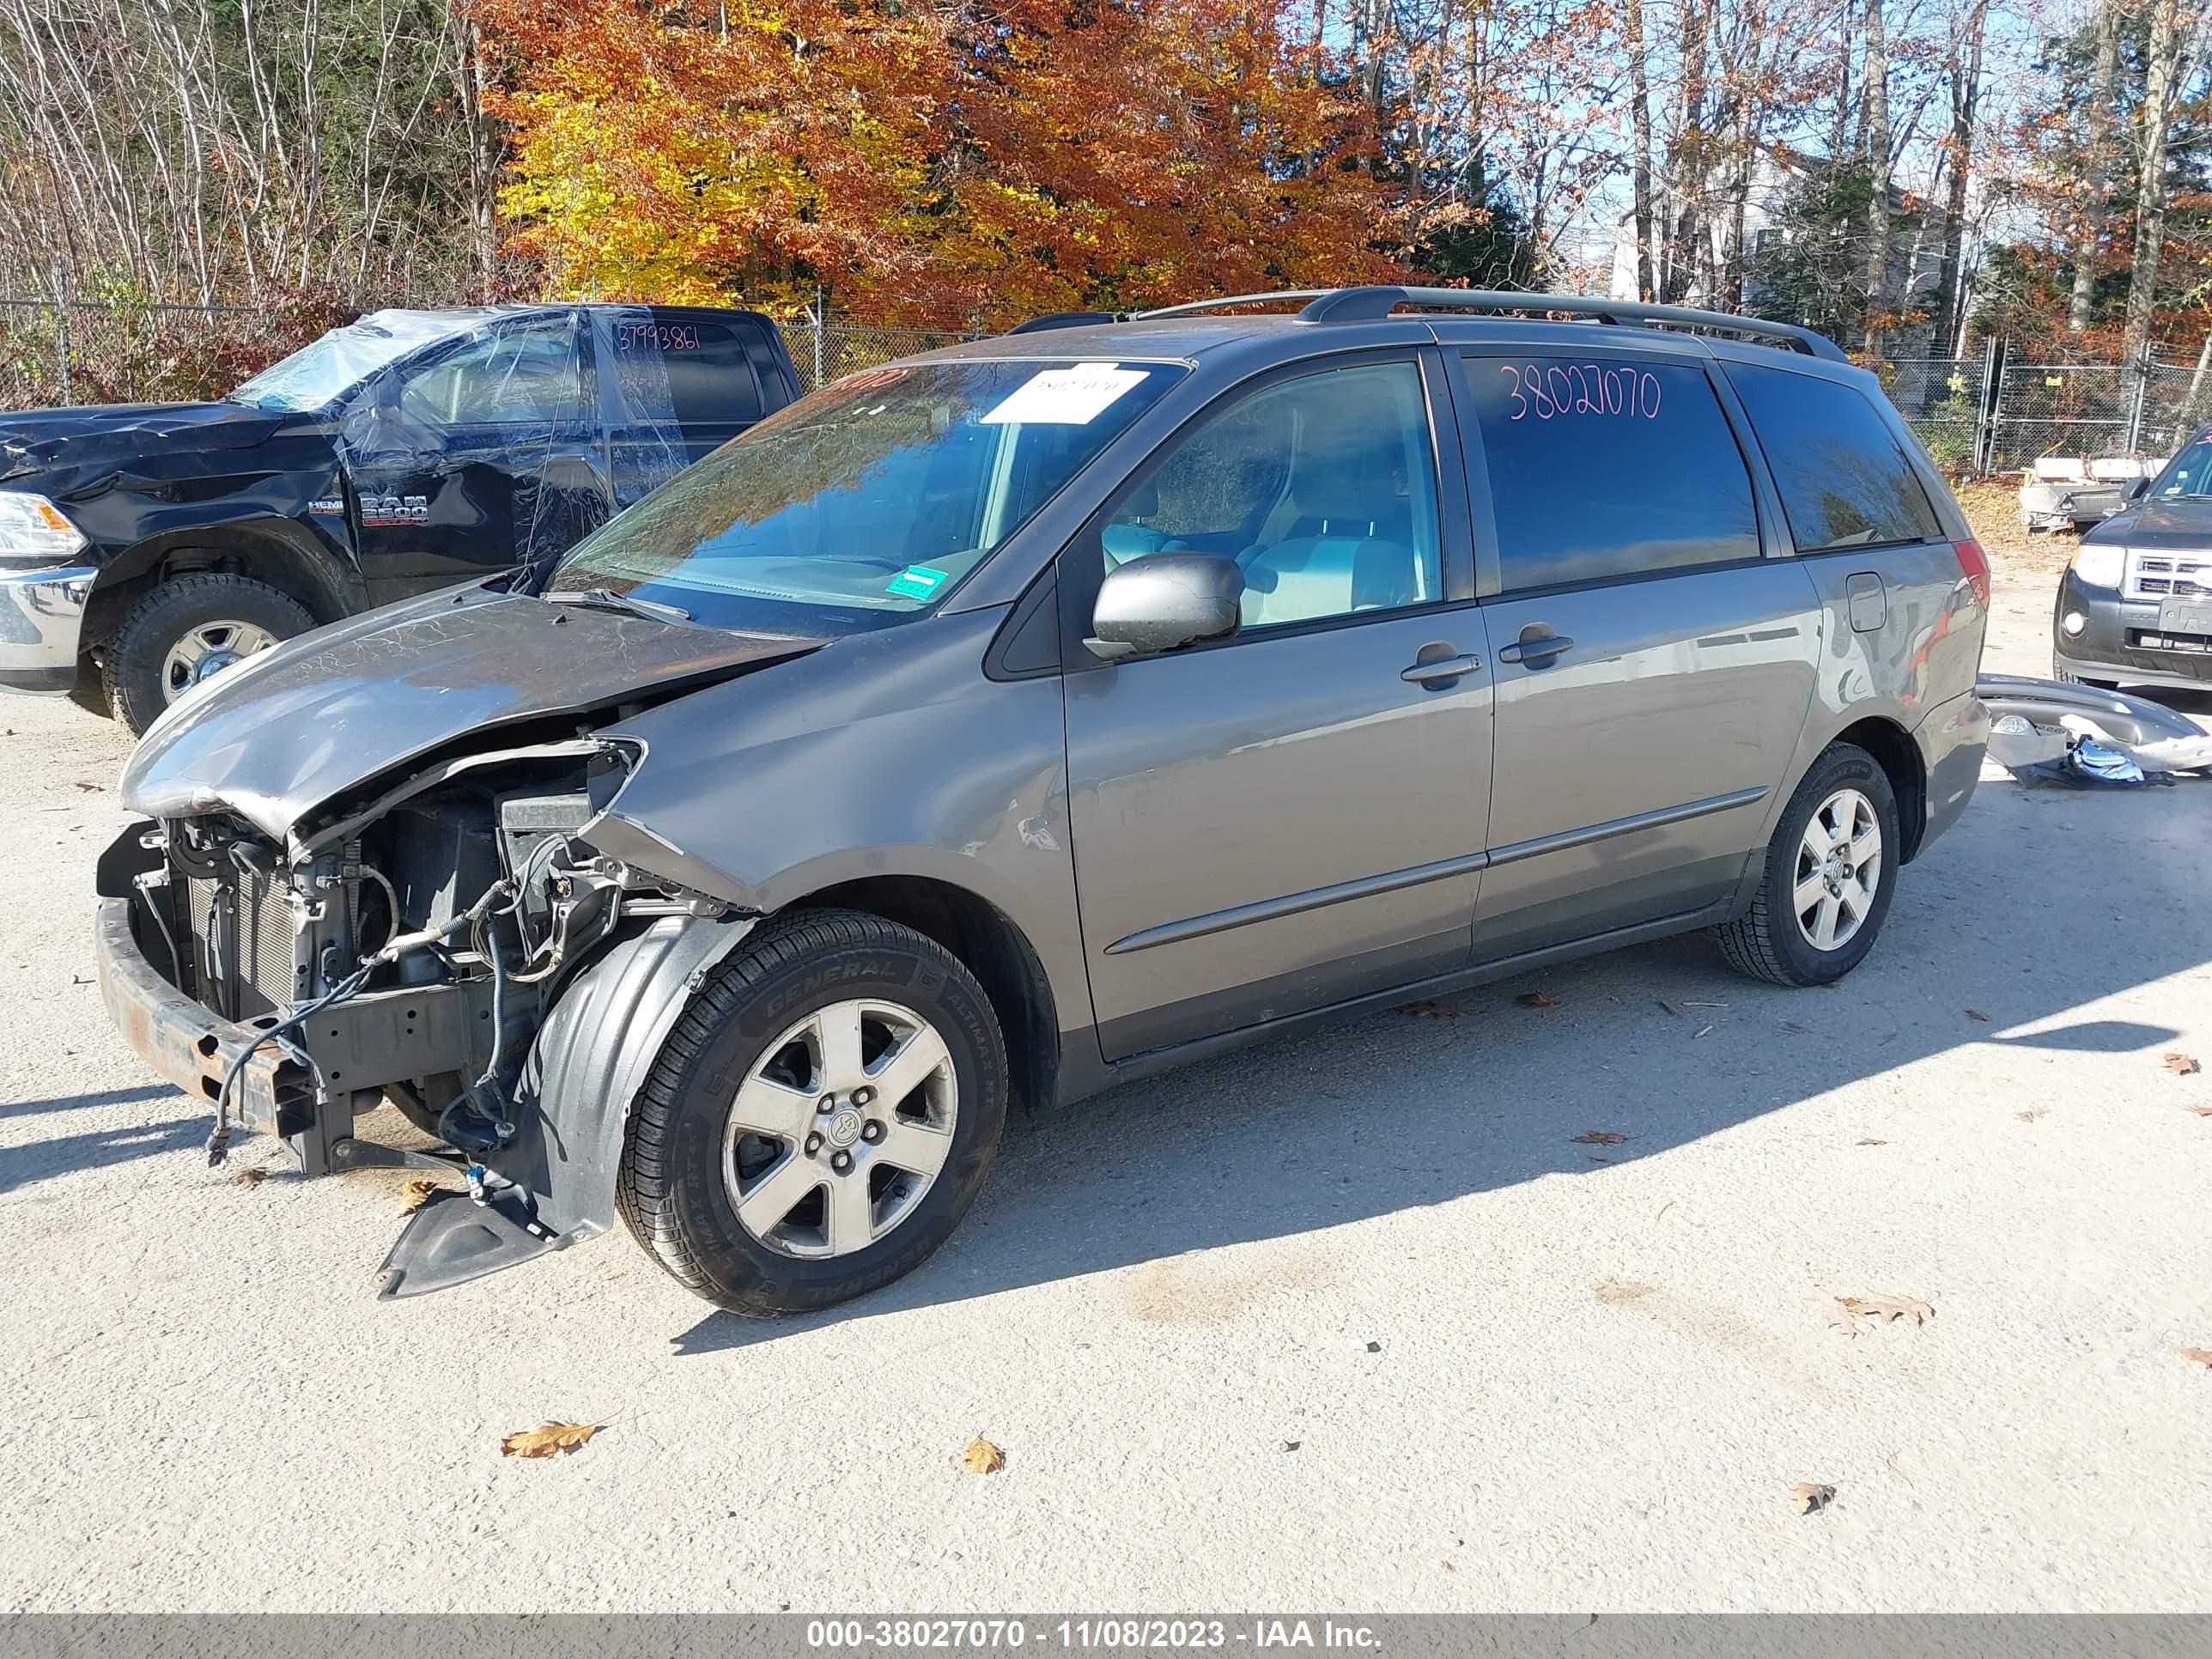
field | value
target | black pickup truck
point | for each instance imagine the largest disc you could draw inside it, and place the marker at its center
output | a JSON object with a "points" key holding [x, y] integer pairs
{"points": [[159, 543]]}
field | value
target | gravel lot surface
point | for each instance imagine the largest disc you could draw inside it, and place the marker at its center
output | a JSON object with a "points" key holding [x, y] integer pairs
{"points": [[1354, 1321]]}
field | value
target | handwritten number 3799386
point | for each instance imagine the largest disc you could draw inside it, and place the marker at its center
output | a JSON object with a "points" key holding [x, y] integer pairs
{"points": [[1547, 393]]}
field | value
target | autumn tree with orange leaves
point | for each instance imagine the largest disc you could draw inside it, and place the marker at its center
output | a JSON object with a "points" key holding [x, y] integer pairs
{"points": [[935, 165]]}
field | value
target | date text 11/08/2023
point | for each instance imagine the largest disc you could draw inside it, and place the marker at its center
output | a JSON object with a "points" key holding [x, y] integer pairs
{"points": [[1084, 1635]]}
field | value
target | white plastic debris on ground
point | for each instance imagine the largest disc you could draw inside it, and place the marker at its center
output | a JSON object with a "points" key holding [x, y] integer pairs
{"points": [[2052, 732]]}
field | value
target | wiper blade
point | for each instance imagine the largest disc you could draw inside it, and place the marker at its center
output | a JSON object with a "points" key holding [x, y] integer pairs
{"points": [[605, 598]]}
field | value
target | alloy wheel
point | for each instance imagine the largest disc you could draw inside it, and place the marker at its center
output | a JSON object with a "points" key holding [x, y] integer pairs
{"points": [[840, 1128], [209, 648], [1838, 870]]}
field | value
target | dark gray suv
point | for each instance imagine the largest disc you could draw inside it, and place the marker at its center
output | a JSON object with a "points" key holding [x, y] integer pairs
{"points": [[1011, 720]]}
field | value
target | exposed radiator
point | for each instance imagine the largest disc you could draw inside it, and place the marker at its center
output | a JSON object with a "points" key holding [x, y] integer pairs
{"points": [[246, 947]]}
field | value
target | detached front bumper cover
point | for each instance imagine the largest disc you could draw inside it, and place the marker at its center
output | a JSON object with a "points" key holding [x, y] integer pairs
{"points": [[41, 623]]}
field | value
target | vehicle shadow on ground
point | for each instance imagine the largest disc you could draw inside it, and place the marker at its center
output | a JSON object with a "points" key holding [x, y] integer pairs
{"points": [[42, 1160], [100, 1098], [1394, 1110]]}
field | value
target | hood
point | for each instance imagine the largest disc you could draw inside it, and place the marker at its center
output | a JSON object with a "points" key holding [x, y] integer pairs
{"points": [[279, 735], [111, 434], [2181, 526]]}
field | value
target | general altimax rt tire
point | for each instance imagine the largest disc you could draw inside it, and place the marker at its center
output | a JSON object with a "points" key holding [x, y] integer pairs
{"points": [[1830, 871], [819, 1119]]}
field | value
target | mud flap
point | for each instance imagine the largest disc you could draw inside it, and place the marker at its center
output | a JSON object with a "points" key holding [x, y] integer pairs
{"points": [[452, 1241]]}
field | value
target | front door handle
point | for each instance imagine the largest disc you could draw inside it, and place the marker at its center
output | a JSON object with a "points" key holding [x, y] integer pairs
{"points": [[1441, 669], [1536, 648]]}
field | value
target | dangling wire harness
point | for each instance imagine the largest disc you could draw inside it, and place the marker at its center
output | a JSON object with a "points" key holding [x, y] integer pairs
{"points": [[282, 1033]]}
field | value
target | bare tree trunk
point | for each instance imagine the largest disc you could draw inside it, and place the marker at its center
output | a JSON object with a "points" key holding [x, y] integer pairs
{"points": [[2097, 168], [2160, 75], [1640, 115], [1965, 78], [1687, 164], [1878, 166]]}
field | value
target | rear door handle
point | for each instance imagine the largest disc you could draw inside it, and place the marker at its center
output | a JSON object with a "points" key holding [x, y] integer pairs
{"points": [[1444, 668], [1535, 649]]}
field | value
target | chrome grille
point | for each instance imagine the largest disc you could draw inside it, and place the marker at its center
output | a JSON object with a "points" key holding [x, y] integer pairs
{"points": [[2169, 575]]}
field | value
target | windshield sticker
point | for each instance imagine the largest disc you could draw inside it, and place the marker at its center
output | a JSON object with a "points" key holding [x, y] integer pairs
{"points": [[1065, 396], [916, 581]]}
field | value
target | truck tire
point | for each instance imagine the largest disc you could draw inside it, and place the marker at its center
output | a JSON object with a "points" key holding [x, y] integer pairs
{"points": [[187, 628], [1830, 871], [819, 1119]]}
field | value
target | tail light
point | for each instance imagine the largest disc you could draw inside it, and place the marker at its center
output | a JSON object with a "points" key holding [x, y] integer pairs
{"points": [[1974, 566]]}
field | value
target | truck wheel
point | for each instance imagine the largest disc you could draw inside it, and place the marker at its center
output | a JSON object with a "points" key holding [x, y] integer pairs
{"points": [[819, 1119], [187, 630], [1830, 871]]}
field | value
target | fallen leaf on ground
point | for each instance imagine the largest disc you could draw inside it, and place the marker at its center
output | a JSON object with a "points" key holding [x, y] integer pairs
{"points": [[1374, 1347], [2202, 1111], [1431, 1010], [2202, 1355], [418, 1195], [1534, 1000], [1599, 1138], [249, 1178], [981, 1457], [2033, 1112], [1874, 1143], [1976, 1013], [548, 1439], [1293, 1445], [1888, 1309], [93, 788], [1810, 1495], [2182, 1064]]}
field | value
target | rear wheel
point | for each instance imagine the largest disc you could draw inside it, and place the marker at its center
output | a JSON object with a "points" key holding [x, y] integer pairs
{"points": [[820, 1119], [188, 629], [1831, 870]]}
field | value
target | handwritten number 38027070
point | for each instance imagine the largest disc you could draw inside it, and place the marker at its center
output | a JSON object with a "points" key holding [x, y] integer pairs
{"points": [[1564, 389]]}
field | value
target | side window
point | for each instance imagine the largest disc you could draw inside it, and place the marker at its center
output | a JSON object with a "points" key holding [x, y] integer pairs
{"points": [[515, 375], [709, 378], [1604, 467], [1322, 488], [1845, 481]]}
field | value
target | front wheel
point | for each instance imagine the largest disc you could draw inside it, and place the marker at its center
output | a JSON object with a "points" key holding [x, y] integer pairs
{"points": [[187, 630], [820, 1119], [1831, 870]]}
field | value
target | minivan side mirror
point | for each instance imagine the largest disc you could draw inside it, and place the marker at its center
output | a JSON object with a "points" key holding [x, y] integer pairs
{"points": [[1165, 600], [2138, 490]]}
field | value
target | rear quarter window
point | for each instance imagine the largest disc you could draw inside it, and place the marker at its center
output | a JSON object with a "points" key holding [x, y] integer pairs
{"points": [[1606, 467], [710, 376], [1845, 480]]}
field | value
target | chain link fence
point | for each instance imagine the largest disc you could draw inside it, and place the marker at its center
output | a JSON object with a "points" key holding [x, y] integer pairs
{"points": [[825, 354], [1996, 413], [84, 352]]}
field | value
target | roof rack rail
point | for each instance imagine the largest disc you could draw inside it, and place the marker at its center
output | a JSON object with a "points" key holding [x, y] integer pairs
{"points": [[1067, 319], [1368, 304]]}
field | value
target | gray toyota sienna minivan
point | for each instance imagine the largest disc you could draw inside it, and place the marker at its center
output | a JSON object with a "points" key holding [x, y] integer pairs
{"points": [[1010, 721]]}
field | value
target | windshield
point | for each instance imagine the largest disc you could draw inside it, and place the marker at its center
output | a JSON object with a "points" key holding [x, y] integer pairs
{"points": [[315, 374], [2188, 478], [865, 504]]}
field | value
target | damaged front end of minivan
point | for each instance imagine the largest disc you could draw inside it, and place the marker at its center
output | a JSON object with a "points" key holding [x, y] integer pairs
{"points": [[341, 899]]}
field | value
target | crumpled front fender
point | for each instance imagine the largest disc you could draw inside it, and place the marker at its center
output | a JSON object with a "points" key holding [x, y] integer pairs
{"points": [[591, 1058]]}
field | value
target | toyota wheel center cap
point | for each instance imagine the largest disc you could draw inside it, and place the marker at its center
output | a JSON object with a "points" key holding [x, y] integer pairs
{"points": [[844, 1129]]}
